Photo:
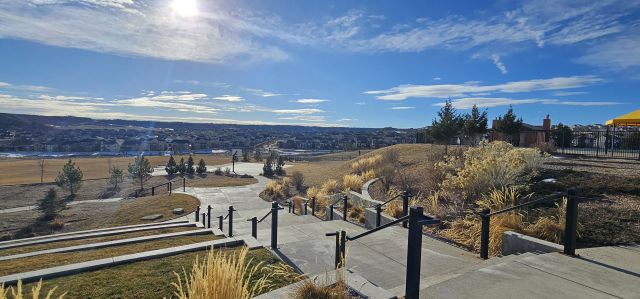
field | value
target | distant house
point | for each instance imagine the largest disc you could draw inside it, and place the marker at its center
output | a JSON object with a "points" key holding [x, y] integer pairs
{"points": [[530, 135]]}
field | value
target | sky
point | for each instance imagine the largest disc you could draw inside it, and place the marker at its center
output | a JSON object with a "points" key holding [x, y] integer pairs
{"points": [[320, 63]]}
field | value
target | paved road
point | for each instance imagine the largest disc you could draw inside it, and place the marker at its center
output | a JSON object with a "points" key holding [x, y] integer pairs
{"points": [[71, 203]]}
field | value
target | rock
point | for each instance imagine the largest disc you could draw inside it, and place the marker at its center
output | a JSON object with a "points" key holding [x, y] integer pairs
{"points": [[178, 211], [151, 217]]}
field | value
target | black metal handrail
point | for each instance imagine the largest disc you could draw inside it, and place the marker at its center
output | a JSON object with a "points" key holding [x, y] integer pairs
{"points": [[571, 218], [392, 223], [554, 196], [388, 201], [274, 223], [405, 207]]}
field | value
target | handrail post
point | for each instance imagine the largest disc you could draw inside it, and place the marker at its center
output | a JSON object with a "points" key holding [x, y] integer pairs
{"points": [[153, 191], [484, 237], [331, 212], [345, 208], [414, 254], [571, 223], [336, 263], [209, 216], [203, 215], [170, 188], [405, 206], [198, 214], [313, 206], [220, 222], [378, 214], [231, 221], [343, 249], [274, 225], [254, 227], [184, 184], [306, 208], [289, 206]]}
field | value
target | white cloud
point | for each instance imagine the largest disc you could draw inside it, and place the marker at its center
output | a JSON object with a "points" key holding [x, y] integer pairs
{"points": [[345, 119], [310, 101], [262, 93], [229, 98], [569, 93], [297, 111], [468, 103], [61, 98], [437, 78], [498, 63], [618, 54], [312, 118], [31, 88], [403, 92], [402, 108]]}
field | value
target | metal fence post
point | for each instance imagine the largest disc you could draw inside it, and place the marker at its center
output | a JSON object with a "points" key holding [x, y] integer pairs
{"points": [[405, 207], [203, 214], [220, 222], [571, 223], [414, 254], [484, 237], [336, 263], [170, 187], [313, 206], [231, 221], [345, 208], [254, 227], [153, 191], [197, 213], [274, 225], [306, 208], [378, 214], [343, 249], [289, 206], [331, 212], [209, 216], [184, 184]]}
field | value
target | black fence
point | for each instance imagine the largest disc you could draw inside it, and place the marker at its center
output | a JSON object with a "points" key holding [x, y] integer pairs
{"points": [[620, 144]]}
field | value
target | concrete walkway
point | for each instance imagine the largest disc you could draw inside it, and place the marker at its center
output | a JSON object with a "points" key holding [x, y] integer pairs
{"points": [[71, 203]]}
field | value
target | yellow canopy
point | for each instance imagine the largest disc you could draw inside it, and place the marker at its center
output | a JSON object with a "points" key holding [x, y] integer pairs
{"points": [[629, 119]]}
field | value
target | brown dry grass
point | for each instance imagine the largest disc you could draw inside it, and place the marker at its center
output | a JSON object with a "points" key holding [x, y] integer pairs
{"points": [[64, 258], [27, 171]]}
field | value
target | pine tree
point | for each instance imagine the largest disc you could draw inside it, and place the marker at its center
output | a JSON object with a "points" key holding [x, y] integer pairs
{"points": [[509, 124], [246, 157], [267, 169], [50, 205], [181, 167], [140, 170], [280, 166], [171, 167], [202, 167], [475, 123], [115, 176], [562, 135], [190, 169], [257, 155], [70, 179], [448, 124]]}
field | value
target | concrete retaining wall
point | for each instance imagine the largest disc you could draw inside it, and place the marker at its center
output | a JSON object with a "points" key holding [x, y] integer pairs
{"points": [[513, 242]]}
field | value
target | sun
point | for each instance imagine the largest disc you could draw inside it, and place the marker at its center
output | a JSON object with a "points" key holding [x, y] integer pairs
{"points": [[185, 8]]}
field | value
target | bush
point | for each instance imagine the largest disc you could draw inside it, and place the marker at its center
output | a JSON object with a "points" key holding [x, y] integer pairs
{"points": [[18, 293], [50, 205], [298, 180], [70, 179], [202, 167], [275, 190], [171, 168], [352, 182], [190, 170], [227, 171], [330, 187], [218, 171]]}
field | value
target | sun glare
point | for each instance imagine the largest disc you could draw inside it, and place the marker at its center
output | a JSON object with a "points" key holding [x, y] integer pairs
{"points": [[185, 8]]}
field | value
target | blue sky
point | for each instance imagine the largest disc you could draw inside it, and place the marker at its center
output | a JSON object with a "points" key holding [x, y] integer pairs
{"points": [[327, 63]]}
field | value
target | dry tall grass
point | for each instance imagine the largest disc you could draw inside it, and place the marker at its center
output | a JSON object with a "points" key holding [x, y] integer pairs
{"points": [[352, 182], [275, 190], [18, 293], [221, 276], [322, 289]]}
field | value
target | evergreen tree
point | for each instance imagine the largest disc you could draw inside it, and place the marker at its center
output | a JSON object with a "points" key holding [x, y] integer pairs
{"points": [[509, 124], [246, 157], [116, 176], [181, 167], [475, 123], [267, 169], [280, 166], [50, 205], [140, 170], [562, 135], [448, 124], [202, 167], [171, 167], [190, 169], [70, 179]]}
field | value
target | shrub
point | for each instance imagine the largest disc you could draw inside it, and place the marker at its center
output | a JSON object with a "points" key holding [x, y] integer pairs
{"points": [[18, 293], [202, 167], [70, 179], [190, 169], [330, 187], [322, 289], [218, 171], [545, 147], [171, 168], [467, 231], [504, 197], [286, 181], [298, 180], [116, 176], [50, 205], [267, 169], [221, 276], [352, 182], [227, 171], [275, 190]]}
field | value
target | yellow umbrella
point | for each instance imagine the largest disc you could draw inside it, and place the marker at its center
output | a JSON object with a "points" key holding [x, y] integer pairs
{"points": [[629, 119]]}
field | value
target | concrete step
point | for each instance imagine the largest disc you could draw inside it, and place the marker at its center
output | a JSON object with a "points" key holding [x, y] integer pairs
{"points": [[90, 234], [550, 275], [88, 231]]}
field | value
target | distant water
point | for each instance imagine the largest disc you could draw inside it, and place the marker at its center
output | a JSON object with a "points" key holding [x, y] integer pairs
{"points": [[286, 152], [103, 154]]}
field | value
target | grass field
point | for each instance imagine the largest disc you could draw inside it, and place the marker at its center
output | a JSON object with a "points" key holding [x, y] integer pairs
{"points": [[65, 258], [146, 279], [27, 171], [99, 215]]}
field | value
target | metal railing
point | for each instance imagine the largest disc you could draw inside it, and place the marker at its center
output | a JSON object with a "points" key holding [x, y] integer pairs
{"points": [[345, 207], [416, 219], [274, 224], [405, 207], [571, 218]]}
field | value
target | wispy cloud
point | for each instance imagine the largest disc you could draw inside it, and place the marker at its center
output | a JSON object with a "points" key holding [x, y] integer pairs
{"points": [[229, 98], [402, 107], [403, 92], [467, 103], [618, 54], [310, 101], [297, 111], [498, 63], [31, 88], [569, 93], [263, 93]]}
